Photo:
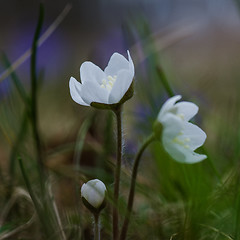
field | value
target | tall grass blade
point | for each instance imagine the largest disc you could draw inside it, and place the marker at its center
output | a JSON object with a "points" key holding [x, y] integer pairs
{"points": [[34, 92], [79, 145], [163, 78], [81, 139]]}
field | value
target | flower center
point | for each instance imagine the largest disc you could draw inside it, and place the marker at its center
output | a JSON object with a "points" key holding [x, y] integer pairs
{"points": [[181, 116], [109, 82], [183, 142]]}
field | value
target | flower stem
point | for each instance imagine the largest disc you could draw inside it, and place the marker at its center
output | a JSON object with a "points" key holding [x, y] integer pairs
{"points": [[118, 113], [150, 139], [96, 227]]}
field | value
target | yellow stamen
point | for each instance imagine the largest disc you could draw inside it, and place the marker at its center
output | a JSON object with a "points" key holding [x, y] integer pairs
{"points": [[182, 142], [181, 115], [109, 82]]}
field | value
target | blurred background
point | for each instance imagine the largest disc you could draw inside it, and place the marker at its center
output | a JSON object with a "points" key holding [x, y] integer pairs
{"points": [[195, 43]]}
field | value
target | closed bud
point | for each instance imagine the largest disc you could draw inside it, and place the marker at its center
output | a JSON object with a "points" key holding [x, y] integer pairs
{"points": [[93, 195]]}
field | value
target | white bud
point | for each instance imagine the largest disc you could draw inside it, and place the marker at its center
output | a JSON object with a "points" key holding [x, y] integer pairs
{"points": [[94, 192]]}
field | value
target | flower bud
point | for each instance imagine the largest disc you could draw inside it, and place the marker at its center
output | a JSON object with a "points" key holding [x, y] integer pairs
{"points": [[93, 195]]}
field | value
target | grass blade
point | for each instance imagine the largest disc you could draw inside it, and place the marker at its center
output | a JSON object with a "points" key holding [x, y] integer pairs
{"points": [[34, 89], [15, 148], [36, 203], [15, 79], [163, 78]]}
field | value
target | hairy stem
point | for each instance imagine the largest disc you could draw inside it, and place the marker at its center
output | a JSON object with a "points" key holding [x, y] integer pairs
{"points": [[118, 113], [133, 184], [96, 227]]}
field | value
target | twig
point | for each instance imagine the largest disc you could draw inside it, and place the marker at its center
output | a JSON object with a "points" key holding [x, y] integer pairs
{"points": [[18, 192], [19, 229], [174, 235], [55, 209], [217, 231]]}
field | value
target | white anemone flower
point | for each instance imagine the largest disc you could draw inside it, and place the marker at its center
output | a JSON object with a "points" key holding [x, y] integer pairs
{"points": [[94, 192], [104, 87], [180, 138]]}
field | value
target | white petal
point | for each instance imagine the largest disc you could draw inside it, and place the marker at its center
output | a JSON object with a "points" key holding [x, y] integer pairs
{"points": [[194, 157], [75, 89], [94, 192], [189, 155], [187, 109], [181, 154], [195, 135], [120, 87], [91, 72], [83, 190], [167, 106], [173, 150], [131, 65], [116, 63], [92, 196], [91, 92], [172, 126]]}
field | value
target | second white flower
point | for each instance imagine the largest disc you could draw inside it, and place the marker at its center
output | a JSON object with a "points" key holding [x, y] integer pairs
{"points": [[181, 138]]}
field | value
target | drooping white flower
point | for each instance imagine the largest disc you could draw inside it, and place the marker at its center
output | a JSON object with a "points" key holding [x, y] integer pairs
{"points": [[105, 87], [94, 192], [180, 138]]}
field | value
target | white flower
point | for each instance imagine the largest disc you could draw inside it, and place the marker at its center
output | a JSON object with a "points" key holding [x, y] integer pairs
{"points": [[181, 138], [94, 192], [108, 86]]}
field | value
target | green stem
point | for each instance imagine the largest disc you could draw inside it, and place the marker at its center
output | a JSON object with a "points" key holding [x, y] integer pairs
{"points": [[96, 227], [118, 113], [150, 139]]}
